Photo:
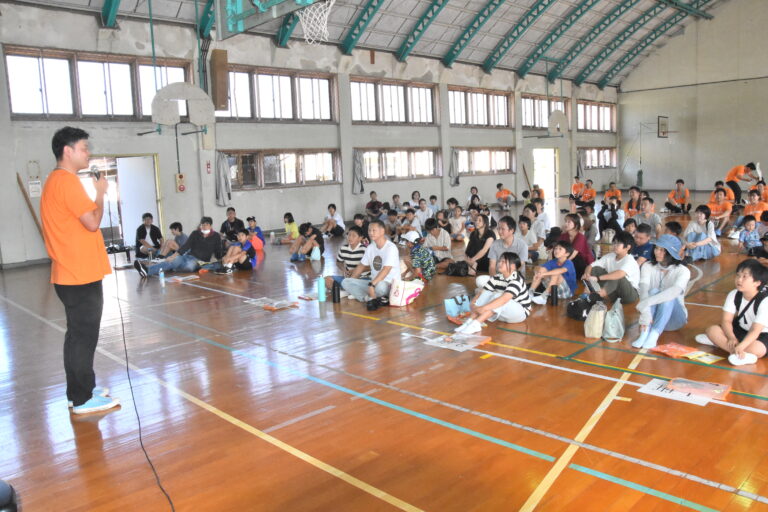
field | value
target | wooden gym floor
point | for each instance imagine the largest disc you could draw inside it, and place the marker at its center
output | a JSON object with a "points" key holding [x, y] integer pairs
{"points": [[330, 407]]}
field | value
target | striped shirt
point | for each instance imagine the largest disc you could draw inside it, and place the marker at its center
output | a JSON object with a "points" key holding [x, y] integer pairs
{"points": [[350, 257], [514, 285]]}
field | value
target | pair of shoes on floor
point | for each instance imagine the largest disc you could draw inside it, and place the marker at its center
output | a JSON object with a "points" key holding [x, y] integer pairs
{"points": [[748, 358], [97, 402], [703, 339], [734, 235], [97, 391], [372, 305], [298, 257], [225, 271], [471, 326], [141, 268], [540, 299]]}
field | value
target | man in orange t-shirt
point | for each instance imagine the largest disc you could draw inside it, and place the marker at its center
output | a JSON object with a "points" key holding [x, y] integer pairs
{"points": [[612, 192], [740, 173], [79, 263], [504, 196], [762, 189], [729, 196], [721, 211], [576, 188], [679, 199], [755, 207]]}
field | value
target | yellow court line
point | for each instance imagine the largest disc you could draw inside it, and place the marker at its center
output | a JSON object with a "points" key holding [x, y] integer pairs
{"points": [[331, 470], [486, 356], [621, 368], [570, 451], [522, 349], [367, 317], [417, 327]]}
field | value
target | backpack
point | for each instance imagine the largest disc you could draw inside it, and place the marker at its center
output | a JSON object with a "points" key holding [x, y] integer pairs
{"points": [[578, 309], [756, 300], [459, 268], [613, 326]]}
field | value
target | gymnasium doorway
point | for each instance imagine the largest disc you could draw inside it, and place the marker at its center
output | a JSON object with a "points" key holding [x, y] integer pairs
{"points": [[132, 192]]}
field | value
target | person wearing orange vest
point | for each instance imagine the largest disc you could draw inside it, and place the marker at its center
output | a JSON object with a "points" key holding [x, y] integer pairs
{"points": [[721, 211], [679, 199], [588, 195], [632, 206], [79, 263], [754, 207], [612, 192], [740, 173], [576, 189]]}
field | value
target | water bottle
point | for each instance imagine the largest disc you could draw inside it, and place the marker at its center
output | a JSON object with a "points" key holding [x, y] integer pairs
{"points": [[336, 292], [321, 289], [272, 237], [553, 295], [161, 275]]}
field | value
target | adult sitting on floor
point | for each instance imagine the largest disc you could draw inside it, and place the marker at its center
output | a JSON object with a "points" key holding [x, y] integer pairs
{"points": [[203, 244], [507, 242], [617, 273], [148, 237], [383, 260]]}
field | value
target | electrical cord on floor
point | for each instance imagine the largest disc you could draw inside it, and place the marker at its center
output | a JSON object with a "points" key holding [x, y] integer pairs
{"points": [[128, 370]]}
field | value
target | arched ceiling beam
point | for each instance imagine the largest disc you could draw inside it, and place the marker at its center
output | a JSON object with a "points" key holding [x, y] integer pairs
{"points": [[687, 8], [421, 26], [109, 13], [619, 40], [656, 33], [514, 35], [359, 26], [561, 28], [205, 23], [477, 23], [286, 29], [583, 43]]}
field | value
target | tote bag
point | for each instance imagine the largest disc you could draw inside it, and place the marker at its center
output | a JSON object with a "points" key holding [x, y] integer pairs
{"points": [[457, 305], [403, 293]]}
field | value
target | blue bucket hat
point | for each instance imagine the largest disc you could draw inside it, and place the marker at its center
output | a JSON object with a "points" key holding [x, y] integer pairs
{"points": [[671, 243]]}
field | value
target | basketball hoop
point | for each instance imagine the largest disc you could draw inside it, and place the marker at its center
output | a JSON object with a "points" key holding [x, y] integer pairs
{"points": [[314, 21]]}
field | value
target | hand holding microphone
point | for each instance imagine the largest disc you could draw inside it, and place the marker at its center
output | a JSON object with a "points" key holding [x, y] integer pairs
{"points": [[101, 179]]}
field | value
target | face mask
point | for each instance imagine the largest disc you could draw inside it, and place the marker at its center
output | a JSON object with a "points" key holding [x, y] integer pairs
{"points": [[205, 231]]}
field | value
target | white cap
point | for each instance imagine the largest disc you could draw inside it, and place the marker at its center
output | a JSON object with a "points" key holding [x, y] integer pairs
{"points": [[411, 236]]}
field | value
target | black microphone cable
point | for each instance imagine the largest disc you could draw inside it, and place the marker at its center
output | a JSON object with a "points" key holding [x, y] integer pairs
{"points": [[95, 173]]}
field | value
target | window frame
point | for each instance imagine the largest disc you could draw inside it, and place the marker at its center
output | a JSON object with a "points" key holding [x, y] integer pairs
{"points": [[301, 182], [613, 155], [437, 163], [406, 85], [586, 104], [73, 57], [549, 99], [512, 151], [489, 110]]}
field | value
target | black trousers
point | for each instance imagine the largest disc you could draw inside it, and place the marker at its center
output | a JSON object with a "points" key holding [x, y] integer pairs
{"points": [[83, 304], [736, 190]]}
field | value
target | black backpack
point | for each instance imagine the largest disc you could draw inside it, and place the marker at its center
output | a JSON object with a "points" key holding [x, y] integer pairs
{"points": [[578, 309], [459, 268]]}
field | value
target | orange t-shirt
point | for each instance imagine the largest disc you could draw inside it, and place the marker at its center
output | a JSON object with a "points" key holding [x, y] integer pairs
{"points": [[78, 255], [501, 194], [577, 189], [540, 191], [588, 194], [733, 174], [633, 209], [613, 193], [719, 209], [680, 198], [728, 195], [764, 195], [755, 209]]}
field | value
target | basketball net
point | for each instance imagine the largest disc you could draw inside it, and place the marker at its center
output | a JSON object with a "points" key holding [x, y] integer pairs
{"points": [[314, 21]]}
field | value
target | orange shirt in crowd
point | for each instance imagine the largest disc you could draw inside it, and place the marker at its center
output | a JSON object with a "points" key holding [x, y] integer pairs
{"points": [[733, 174], [755, 209], [588, 194], [728, 195], [720, 208], [632, 210], [764, 195], [502, 194], [681, 197], [613, 193], [78, 255], [577, 189]]}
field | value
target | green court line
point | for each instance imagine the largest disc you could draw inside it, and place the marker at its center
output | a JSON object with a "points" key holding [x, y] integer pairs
{"points": [[642, 488], [583, 349], [705, 286]]}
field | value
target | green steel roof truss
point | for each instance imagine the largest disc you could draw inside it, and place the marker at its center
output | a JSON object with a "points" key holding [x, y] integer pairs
{"points": [[205, 23], [583, 43], [109, 12], [477, 23], [619, 40], [656, 33], [359, 26], [421, 26], [514, 35], [687, 8], [286, 29], [571, 18]]}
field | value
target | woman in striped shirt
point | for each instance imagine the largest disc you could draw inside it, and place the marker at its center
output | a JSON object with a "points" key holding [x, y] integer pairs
{"points": [[504, 297]]}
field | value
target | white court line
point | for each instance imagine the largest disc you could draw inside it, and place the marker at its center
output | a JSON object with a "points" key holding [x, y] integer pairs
{"points": [[703, 305]]}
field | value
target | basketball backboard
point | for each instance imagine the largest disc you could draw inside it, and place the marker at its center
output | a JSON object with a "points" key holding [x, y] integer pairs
{"points": [[236, 16]]}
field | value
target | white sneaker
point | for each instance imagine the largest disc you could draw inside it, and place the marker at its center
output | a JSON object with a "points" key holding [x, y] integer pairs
{"points": [[734, 234], [703, 339], [747, 359], [460, 329], [472, 327], [539, 299]]}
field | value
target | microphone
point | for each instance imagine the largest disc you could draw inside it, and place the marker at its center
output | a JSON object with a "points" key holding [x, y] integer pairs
{"points": [[94, 172]]}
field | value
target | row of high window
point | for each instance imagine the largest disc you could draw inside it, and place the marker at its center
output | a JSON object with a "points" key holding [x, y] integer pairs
{"points": [[269, 168], [73, 84]]}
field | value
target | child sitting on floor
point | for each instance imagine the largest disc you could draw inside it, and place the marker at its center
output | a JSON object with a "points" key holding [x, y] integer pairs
{"points": [[504, 297], [291, 230], [240, 255], [309, 244], [420, 263], [749, 240], [255, 236], [743, 330], [558, 272], [349, 256]]}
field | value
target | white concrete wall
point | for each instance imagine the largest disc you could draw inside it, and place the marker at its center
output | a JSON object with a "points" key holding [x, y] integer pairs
{"points": [[30, 140], [712, 83]]}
